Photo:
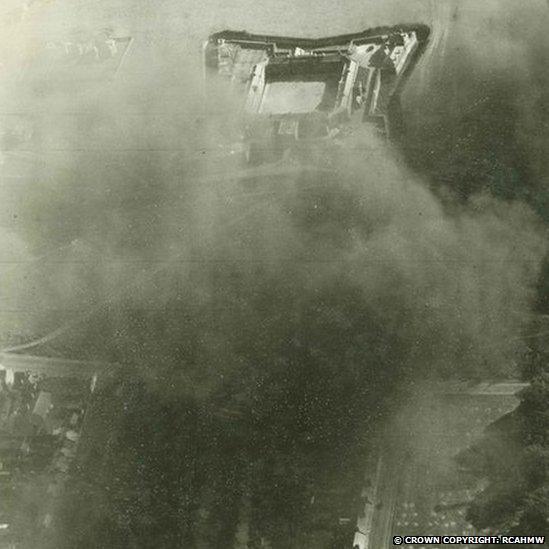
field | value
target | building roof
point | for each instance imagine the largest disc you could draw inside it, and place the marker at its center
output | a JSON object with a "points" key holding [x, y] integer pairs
{"points": [[504, 387], [55, 366]]}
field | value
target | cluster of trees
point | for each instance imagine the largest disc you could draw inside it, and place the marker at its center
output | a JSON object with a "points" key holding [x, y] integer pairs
{"points": [[167, 474]]}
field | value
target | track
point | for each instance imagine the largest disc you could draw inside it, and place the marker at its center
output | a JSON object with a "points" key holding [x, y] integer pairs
{"points": [[387, 495]]}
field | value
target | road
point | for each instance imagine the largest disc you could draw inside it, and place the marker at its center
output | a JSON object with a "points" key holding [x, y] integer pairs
{"points": [[386, 500]]}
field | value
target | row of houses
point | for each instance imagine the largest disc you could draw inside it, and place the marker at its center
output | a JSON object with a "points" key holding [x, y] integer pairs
{"points": [[43, 403]]}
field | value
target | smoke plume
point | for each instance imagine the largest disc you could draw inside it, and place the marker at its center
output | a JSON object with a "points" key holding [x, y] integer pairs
{"points": [[126, 198]]}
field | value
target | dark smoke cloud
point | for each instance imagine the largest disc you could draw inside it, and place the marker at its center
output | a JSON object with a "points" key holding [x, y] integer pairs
{"points": [[237, 271], [211, 277]]}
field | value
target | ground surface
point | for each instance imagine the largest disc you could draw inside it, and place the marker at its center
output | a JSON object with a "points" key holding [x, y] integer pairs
{"points": [[422, 491]]}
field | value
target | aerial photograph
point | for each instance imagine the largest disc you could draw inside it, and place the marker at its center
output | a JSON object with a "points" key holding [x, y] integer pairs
{"points": [[274, 274]]}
